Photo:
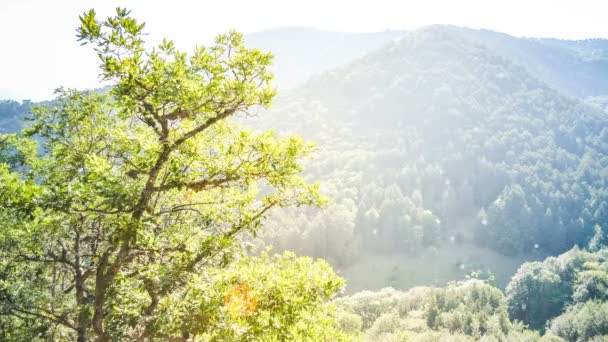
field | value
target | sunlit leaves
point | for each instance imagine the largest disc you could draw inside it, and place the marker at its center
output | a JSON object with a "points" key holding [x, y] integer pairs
{"points": [[137, 197], [278, 298]]}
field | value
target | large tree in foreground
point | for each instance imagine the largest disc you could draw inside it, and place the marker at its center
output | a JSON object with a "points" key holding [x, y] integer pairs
{"points": [[123, 223]]}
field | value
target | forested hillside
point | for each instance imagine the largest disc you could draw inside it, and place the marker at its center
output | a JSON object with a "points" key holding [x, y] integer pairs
{"points": [[438, 148]]}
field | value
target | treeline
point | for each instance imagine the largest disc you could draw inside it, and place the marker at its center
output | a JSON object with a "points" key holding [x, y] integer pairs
{"points": [[464, 311], [560, 299]]}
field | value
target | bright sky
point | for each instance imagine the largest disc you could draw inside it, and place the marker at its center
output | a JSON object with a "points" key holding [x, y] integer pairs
{"points": [[39, 50]]}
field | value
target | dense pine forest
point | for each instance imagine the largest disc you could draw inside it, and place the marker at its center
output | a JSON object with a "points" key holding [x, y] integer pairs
{"points": [[462, 190]]}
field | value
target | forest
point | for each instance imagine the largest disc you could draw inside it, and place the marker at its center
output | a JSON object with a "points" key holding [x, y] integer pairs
{"points": [[440, 184]]}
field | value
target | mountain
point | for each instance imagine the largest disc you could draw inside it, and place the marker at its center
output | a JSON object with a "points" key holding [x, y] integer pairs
{"points": [[301, 52], [12, 115], [443, 158], [577, 68]]}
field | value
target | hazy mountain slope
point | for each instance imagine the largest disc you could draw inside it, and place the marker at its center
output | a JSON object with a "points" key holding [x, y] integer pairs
{"points": [[301, 52], [577, 68], [12, 114], [437, 147]]}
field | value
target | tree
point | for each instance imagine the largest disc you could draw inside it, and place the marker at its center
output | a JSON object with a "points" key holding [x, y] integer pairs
{"points": [[510, 226], [583, 322], [138, 194], [598, 239], [279, 298], [539, 291], [590, 285], [462, 311]]}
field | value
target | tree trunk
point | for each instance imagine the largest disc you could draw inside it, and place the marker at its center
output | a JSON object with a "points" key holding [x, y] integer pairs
{"points": [[82, 322]]}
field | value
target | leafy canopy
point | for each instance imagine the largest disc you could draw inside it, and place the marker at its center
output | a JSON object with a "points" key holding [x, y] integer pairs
{"points": [[121, 210]]}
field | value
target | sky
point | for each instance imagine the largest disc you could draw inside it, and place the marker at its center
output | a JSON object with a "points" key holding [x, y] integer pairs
{"points": [[40, 53]]}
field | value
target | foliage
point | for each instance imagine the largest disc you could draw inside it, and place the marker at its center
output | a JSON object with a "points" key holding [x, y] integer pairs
{"points": [[286, 301], [598, 240], [591, 284], [539, 291], [583, 322], [464, 311], [554, 293], [586, 318], [139, 194]]}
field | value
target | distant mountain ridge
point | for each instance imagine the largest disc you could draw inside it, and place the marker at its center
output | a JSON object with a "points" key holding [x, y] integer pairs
{"points": [[576, 68], [12, 115], [301, 52]]}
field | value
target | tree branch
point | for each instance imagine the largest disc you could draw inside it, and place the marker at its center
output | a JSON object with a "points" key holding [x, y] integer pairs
{"points": [[45, 315]]}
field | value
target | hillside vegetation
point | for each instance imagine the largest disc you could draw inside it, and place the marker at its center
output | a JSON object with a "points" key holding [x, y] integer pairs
{"points": [[437, 148]]}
